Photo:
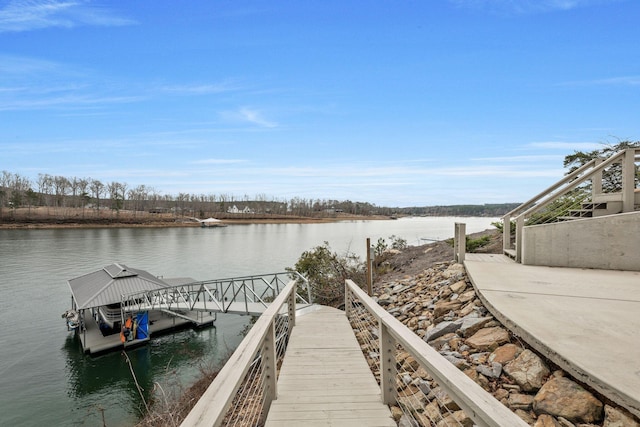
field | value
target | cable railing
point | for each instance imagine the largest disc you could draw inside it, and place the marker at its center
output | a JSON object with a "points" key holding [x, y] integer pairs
{"points": [[611, 181], [416, 378], [243, 390]]}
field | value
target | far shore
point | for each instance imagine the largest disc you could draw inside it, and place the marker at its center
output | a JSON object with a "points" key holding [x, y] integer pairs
{"points": [[73, 219]]}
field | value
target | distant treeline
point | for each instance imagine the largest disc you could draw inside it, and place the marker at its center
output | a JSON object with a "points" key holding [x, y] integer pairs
{"points": [[92, 195], [496, 210]]}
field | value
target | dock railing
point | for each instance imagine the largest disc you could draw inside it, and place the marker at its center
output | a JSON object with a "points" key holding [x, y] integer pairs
{"points": [[242, 392], [415, 377], [249, 294], [562, 197]]}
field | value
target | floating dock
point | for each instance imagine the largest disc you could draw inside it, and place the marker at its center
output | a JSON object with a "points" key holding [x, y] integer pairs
{"points": [[94, 343]]}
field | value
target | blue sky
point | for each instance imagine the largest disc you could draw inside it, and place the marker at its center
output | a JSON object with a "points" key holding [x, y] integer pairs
{"points": [[397, 103]]}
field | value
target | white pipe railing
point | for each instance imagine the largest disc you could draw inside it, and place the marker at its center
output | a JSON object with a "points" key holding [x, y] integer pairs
{"points": [[242, 392], [477, 404]]}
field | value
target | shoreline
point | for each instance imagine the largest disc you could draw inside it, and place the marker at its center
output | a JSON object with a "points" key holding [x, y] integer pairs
{"points": [[55, 223]]}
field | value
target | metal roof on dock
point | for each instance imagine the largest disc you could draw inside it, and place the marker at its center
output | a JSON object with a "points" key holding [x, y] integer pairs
{"points": [[107, 285]]}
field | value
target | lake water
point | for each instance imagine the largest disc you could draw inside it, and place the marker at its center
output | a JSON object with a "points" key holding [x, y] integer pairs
{"points": [[44, 377]]}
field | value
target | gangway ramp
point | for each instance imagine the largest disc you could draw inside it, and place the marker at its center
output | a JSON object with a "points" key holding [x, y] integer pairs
{"points": [[325, 379], [238, 295]]}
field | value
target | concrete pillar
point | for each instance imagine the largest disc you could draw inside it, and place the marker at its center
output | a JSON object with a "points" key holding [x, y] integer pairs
{"points": [[628, 180]]}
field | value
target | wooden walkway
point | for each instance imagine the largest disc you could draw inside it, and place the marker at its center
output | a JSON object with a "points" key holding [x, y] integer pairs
{"points": [[325, 379]]}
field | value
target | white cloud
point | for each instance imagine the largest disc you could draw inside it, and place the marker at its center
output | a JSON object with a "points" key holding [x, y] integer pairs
{"points": [[12, 65], [64, 101], [249, 115], [203, 89], [526, 6], [567, 146], [27, 15], [610, 81], [218, 161], [521, 159]]}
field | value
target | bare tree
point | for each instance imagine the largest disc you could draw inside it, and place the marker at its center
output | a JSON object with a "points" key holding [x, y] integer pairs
{"points": [[83, 184], [61, 187], [97, 188], [45, 187], [116, 196]]}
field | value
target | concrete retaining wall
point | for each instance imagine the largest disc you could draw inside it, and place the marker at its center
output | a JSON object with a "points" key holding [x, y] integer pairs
{"points": [[609, 242]]}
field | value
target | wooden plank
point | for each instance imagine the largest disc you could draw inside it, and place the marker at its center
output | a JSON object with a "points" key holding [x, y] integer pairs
{"points": [[366, 421], [323, 414], [325, 379]]}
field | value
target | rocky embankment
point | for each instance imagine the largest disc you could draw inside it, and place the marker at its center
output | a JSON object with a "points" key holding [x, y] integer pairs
{"points": [[441, 306]]}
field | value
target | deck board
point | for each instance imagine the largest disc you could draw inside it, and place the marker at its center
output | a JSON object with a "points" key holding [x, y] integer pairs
{"points": [[325, 379]]}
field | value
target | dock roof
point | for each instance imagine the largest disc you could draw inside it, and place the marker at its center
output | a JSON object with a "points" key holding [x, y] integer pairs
{"points": [[106, 285]]}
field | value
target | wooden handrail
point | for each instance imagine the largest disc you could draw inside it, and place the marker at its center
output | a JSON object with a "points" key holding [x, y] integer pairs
{"points": [[215, 402], [478, 404]]}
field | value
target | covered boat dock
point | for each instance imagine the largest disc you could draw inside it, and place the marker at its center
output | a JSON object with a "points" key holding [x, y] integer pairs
{"points": [[96, 298]]}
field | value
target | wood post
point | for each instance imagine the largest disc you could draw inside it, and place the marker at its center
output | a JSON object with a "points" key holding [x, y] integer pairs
{"points": [[459, 241], [347, 300], [291, 309], [387, 365], [269, 373], [369, 268]]}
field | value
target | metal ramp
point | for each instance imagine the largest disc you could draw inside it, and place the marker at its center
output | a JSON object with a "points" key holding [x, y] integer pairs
{"points": [[238, 295]]}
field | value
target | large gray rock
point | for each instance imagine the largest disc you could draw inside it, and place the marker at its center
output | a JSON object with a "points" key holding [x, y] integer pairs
{"points": [[527, 370], [488, 339], [471, 324], [562, 397], [492, 371], [441, 329], [443, 307]]}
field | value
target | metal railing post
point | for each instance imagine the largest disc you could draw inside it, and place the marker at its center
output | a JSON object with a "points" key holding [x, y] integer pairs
{"points": [[387, 365]]}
